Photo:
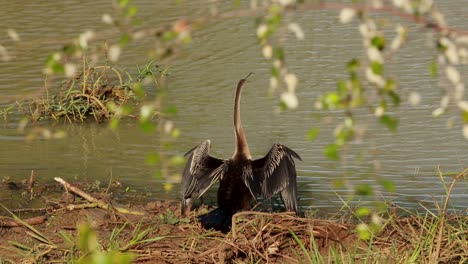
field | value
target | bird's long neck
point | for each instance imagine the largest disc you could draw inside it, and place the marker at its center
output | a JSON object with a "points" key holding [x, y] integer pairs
{"points": [[242, 148]]}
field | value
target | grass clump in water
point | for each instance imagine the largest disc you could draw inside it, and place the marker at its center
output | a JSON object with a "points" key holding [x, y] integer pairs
{"points": [[95, 93]]}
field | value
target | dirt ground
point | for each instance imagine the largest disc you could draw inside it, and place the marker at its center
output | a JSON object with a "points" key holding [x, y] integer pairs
{"points": [[168, 237]]}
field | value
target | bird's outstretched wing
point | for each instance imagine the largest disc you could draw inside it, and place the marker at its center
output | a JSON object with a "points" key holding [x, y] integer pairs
{"points": [[200, 173], [276, 173]]}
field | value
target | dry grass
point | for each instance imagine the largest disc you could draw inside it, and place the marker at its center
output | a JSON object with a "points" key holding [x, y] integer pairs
{"points": [[412, 239], [162, 235]]}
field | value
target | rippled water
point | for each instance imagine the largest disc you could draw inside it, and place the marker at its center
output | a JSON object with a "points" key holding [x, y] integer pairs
{"points": [[201, 85]]}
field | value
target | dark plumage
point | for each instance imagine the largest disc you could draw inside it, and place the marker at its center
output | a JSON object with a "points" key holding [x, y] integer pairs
{"points": [[241, 178]]}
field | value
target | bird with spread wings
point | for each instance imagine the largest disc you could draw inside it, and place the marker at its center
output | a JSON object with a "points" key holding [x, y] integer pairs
{"points": [[241, 179]]}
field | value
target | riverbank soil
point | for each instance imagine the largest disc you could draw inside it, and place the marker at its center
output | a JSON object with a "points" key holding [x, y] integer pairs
{"points": [[62, 222]]}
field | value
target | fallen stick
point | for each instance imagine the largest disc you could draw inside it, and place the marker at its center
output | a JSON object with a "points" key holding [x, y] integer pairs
{"points": [[30, 210], [95, 202], [30, 221]]}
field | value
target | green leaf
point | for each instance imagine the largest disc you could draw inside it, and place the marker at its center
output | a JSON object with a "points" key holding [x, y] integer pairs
{"points": [[356, 86], [131, 11], [390, 122], [127, 109], [377, 67], [123, 3], [312, 134], [353, 65], [152, 158], [137, 88], [378, 42], [433, 69], [274, 9], [395, 98], [158, 174], [172, 110], [274, 18], [342, 88], [332, 99], [278, 53], [331, 151], [383, 104], [111, 256], [124, 40], [147, 126], [363, 231], [169, 35], [344, 134], [58, 68], [363, 211], [275, 72], [177, 160], [283, 106], [465, 117], [114, 123], [388, 185], [69, 49], [53, 64], [364, 189], [51, 59], [187, 39], [339, 183], [389, 85], [441, 46], [175, 133]]}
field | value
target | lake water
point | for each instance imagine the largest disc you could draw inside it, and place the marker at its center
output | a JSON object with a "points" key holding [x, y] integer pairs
{"points": [[201, 86]]}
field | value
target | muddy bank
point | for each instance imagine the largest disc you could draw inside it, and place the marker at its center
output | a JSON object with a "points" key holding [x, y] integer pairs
{"points": [[155, 232]]}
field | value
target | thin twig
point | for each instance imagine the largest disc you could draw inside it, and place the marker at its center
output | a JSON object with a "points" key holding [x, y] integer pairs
{"points": [[91, 199], [31, 180]]}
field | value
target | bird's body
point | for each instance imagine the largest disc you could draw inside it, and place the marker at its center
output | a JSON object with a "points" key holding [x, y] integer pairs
{"points": [[241, 178], [233, 194]]}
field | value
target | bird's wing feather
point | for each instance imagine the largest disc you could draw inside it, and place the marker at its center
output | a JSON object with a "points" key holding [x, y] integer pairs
{"points": [[214, 176], [198, 172], [250, 182], [276, 173]]}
